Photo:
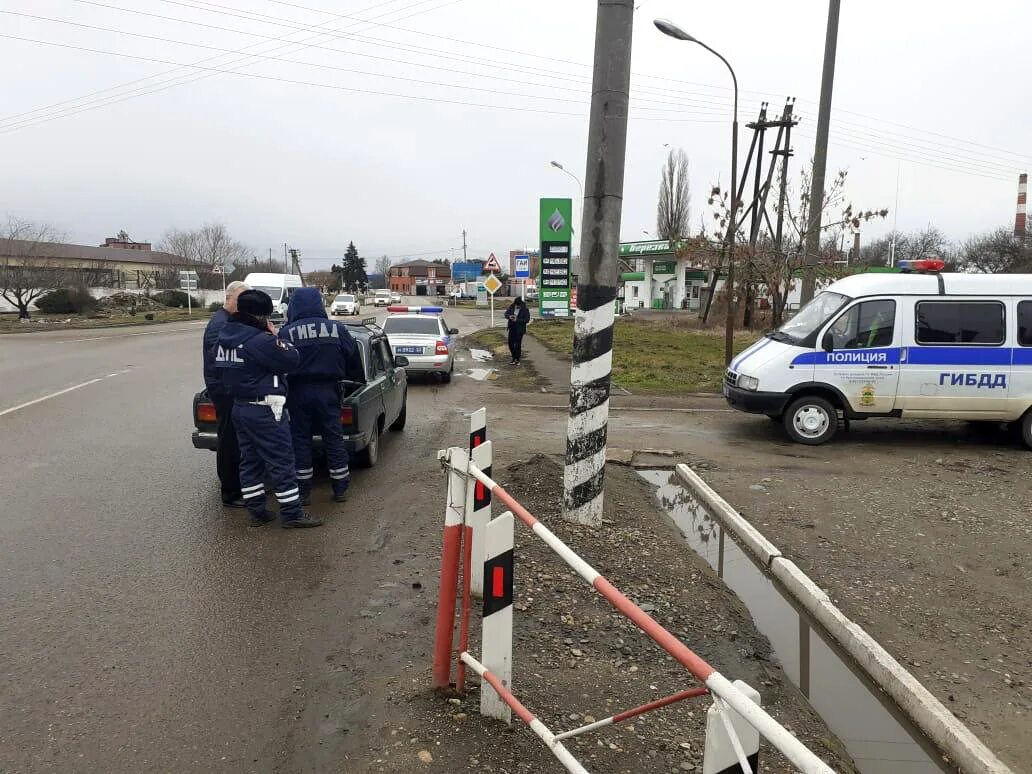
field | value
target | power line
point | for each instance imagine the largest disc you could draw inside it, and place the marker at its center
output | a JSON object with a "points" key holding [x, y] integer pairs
{"points": [[700, 105], [298, 82], [211, 58]]}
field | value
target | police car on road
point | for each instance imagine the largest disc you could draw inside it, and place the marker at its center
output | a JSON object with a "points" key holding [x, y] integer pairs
{"points": [[420, 334], [367, 409], [917, 344]]}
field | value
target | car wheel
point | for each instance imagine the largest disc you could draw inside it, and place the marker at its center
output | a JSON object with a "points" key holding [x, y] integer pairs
{"points": [[811, 420], [1026, 428], [446, 376], [369, 456], [399, 424]]}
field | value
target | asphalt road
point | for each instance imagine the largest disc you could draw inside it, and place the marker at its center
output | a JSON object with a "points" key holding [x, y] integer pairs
{"points": [[144, 626]]}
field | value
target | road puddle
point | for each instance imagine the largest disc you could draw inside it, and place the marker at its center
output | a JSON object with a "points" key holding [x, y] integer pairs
{"points": [[481, 355], [481, 374], [876, 734]]}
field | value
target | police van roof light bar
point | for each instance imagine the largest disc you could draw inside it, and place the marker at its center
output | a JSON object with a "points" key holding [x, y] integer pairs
{"points": [[418, 309], [921, 265]]}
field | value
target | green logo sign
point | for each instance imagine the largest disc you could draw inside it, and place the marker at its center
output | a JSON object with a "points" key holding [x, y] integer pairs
{"points": [[664, 267], [645, 248], [556, 221]]}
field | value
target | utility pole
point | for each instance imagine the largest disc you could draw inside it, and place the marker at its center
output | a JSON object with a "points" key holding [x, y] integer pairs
{"points": [[856, 246], [464, 245], [286, 264], [820, 157], [584, 475]]}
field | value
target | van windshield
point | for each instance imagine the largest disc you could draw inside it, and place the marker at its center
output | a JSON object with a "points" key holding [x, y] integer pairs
{"points": [[810, 318], [276, 294]]}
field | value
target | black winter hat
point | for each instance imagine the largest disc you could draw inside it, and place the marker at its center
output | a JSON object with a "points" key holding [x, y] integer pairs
{"points": [[255, 303]]}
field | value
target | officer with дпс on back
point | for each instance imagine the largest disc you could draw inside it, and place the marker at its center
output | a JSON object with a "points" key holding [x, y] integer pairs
{"points": [[328, 355], [253, 364]]}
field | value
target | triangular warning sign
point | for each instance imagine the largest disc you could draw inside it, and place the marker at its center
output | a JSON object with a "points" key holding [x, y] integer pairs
{"points": [[492, 264]]}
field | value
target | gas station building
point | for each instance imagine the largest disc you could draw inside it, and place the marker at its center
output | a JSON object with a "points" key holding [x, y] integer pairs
{"points": [[659, 279]]}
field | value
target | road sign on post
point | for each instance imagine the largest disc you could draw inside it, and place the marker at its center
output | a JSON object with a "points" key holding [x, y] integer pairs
{"points": [[556, 227], [188, 282], [491, 285], [492, 265]]}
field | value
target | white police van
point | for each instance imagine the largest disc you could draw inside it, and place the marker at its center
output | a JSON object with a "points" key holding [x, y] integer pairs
{"points": [[914, 344]]}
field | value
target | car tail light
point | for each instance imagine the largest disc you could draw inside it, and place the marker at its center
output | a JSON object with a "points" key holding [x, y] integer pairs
{"points": [[347, 415], [206, 412], [442, 348]]}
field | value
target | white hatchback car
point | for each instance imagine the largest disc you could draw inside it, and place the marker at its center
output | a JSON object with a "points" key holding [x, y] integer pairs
{"points": [[345, 304]]}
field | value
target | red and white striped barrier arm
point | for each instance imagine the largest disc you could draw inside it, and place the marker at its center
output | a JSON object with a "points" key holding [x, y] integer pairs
{"points": [[619, 717], [718, 685], [526, 716]]}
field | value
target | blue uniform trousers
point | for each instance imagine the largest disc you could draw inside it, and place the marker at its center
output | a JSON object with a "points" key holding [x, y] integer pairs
{"points": [[315, 410], [266, 453]]}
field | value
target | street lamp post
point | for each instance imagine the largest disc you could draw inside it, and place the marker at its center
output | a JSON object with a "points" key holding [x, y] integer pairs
{"points": [[671, 29], [561, 168]]}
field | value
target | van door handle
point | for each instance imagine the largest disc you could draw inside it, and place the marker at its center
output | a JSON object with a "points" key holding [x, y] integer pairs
{"points": [[881, 367]]}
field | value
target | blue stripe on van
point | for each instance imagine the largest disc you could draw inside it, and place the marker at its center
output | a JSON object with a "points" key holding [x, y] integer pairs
{"points": [[959, 355], [846, 357], [1021, 356], [737, 363]]}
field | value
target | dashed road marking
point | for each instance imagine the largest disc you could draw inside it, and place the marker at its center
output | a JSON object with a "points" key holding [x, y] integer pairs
{"points": [[66, 390]]}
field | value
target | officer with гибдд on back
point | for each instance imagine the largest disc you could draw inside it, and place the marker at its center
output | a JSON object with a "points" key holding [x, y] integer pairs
{"points": [[329, 354], [253, 364]]}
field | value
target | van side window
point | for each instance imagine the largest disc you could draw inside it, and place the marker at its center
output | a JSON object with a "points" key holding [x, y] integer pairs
{"points": [[866, 325], [960, 322], [1025, 323]]}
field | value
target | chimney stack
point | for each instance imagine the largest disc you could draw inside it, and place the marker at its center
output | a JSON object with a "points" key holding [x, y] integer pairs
{"points": [[1022, 214]]}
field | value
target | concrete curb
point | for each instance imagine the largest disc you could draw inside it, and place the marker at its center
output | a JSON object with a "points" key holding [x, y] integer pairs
{"points": [[747, 534], [928, 713]]}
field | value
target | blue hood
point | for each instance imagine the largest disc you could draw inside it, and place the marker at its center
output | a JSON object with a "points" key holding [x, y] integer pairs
{"points": [[305, 303]]}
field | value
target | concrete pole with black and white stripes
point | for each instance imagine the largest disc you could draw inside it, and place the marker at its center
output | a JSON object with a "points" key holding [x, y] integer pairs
{"points": [[598, 273]]}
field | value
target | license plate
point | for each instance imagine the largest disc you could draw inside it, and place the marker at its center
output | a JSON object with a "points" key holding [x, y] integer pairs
{"points": [[409, 350]]}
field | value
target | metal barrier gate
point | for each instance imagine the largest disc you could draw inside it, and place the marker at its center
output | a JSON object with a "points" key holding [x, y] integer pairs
{"points": [[483, 547]]}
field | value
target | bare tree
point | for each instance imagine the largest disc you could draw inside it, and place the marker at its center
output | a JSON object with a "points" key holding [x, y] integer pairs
{"points": [[382, 265], [208, 245], [674, 209], [28, 266], [996, 252]]}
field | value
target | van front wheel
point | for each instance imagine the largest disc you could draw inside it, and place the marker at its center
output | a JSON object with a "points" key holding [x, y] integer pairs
{"points": [[1026, 429], [811, 420]]}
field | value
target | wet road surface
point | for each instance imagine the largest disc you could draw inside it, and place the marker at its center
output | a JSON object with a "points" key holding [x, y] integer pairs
{"points": [[147, 628]]}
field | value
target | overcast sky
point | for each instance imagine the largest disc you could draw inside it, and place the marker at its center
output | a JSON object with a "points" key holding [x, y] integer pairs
{"points": [[933, 90]]}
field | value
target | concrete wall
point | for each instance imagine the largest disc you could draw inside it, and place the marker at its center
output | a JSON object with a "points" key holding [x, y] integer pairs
{"points": [[207, 296]]}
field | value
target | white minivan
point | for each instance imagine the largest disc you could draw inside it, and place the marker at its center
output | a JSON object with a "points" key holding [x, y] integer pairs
{"points": [[278, 286], [916, 344]]}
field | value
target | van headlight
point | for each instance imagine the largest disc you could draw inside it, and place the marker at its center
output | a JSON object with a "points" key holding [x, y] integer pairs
{"points": [[750, 383]]}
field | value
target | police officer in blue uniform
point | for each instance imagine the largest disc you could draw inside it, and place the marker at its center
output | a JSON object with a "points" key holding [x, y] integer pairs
{"points": [[252, 364], [227, 451], [328, 355]]}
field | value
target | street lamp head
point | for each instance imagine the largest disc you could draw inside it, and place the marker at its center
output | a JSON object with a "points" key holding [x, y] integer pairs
{"points": [[557, 165], [667, 27]]}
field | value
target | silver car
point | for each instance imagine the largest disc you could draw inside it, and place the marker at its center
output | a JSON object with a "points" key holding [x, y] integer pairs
{"points": [[426, 340]]}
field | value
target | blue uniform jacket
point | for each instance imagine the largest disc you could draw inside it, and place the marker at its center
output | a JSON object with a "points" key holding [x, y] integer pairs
{"points": [[253, 363], [212, 383], [328, 351]]}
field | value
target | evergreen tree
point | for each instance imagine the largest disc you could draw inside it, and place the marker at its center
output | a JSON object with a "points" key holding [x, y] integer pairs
{"points": [[353, 272]]}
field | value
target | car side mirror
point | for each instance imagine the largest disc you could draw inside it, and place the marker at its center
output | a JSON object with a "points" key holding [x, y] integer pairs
{"points": [[401, 361], [453, 331], [828, 342]]}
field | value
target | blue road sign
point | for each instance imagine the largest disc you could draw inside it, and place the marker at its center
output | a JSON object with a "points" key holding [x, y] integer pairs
{"points": [[522, 266]]}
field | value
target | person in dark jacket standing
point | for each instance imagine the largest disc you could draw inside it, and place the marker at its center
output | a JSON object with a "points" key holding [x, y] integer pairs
{"points": [[328, 355], [518, 315], [227, 452], [252, 364]]}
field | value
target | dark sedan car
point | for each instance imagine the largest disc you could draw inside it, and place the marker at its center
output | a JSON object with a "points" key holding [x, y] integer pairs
{"points": [[366, 408]]}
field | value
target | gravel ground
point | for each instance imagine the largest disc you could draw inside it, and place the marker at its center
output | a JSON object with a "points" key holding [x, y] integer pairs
{"points": [[576, 659]]}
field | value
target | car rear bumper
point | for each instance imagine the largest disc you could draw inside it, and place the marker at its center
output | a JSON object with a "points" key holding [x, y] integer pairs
{"points": [[770, 403], [354, 443], [426, 363]]}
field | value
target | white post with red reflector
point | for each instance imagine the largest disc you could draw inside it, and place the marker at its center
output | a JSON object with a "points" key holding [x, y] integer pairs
{"points": [[478, 503], [496, 627]]}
